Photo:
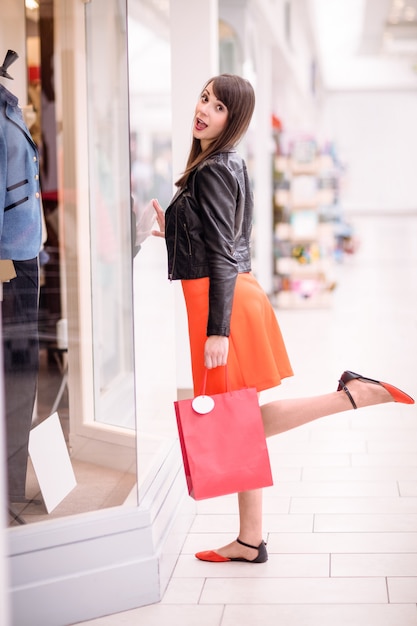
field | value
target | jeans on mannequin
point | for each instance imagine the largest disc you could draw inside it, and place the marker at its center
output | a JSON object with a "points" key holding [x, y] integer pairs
{"points": [[21, 364]]}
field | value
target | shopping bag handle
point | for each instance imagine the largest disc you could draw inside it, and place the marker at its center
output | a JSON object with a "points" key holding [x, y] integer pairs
{"points": [[203, 404], [203, 390]]}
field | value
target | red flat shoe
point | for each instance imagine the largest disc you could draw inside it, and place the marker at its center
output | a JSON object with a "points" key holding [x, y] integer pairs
{"points": [[396, 394], [214, 557]]}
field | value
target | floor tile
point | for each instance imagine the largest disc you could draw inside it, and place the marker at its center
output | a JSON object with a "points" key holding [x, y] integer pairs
{"points": [[333, 488], [408, 488], [273, 504], [402, 590], [311, 460], [272, 523], [330, 446], [321, 615], [388, 459], [355, 542], [164, 615], [370, 474], [398, 505], [183, 590], [379, 565], [294, 591], [405, 523], [407, 445]]}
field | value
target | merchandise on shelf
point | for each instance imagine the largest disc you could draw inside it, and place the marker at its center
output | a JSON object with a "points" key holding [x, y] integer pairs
{"points": [[305, 240]]}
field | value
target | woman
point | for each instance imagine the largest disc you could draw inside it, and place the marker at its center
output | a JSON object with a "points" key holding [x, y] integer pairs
{"points": [[207, 229]]}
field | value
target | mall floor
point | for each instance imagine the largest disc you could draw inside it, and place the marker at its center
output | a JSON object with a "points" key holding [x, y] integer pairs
{"points": [[341, 519]]}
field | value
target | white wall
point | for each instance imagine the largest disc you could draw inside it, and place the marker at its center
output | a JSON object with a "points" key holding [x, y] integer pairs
{"points": [[294, 101], [376, 133], [189, 73]]}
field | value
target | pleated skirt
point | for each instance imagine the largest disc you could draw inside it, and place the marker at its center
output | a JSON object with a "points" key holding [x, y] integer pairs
{"points": [[257, 353]]}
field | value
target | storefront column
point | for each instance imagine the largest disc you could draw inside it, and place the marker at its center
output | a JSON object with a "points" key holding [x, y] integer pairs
{"points": [[194, 59], [255, 44], [263, 168]]}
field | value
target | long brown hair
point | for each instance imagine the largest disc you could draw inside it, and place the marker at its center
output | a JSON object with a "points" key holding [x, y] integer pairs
{"points": [[238, 96]]}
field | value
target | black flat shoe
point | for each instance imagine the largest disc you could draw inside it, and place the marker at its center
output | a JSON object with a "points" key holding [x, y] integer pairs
{"points": [[396, 394], [262, 553]]}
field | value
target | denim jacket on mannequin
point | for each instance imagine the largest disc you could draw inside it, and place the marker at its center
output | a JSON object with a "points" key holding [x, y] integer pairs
{"points": [[20, 196]]}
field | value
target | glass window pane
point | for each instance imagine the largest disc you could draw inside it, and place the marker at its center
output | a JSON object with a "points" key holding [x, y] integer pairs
{"points": [[110, 211]]}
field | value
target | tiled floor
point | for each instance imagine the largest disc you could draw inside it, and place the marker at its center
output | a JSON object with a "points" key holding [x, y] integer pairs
{"points": [[341, 520]]}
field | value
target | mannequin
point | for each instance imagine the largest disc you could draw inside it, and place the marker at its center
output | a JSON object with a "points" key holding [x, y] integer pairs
{"points": [[20, 241]]}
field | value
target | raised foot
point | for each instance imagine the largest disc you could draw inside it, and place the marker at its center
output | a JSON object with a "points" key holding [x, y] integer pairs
{"points": [[396, 394]]}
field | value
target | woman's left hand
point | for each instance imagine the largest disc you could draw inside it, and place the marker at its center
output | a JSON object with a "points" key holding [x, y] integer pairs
{"points": [[160, 218], [216, 350]]}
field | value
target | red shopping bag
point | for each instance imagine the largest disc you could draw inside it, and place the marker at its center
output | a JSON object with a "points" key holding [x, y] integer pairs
{"points": [[223, 445]]}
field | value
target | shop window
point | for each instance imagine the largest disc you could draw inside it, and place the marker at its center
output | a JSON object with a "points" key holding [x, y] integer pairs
{"points": [[86, 296], [110, 214]]}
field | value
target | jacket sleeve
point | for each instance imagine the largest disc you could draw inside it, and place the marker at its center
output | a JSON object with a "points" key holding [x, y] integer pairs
{"points": [[217, 189]]}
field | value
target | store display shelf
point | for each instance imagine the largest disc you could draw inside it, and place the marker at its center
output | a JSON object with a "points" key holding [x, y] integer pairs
{"points": [[296, 300], [295, 269], [304, 242]]}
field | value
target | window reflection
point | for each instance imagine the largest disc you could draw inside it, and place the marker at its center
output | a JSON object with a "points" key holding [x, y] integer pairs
{"points": [[151, 177], [110, 213], [150, 107]]}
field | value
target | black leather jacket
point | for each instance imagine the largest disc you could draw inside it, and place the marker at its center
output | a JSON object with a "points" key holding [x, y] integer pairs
{"points": [[207, 230]]}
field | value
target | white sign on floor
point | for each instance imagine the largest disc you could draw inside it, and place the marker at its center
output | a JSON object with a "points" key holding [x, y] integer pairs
{"points": [[51, 462]]}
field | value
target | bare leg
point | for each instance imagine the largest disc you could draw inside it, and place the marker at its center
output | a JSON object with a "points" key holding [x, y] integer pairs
{"points": [[282, 415], [250, 530]]}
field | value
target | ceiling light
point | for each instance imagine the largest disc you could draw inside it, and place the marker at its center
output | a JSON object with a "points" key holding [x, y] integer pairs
{"points": [[32, 5]]}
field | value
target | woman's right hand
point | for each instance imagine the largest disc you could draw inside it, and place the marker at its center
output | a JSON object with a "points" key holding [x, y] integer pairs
{"points": [[216, 350], [160, 218]]}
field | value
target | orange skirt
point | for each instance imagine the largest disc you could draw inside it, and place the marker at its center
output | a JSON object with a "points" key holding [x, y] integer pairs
{"points": [[257, 354]]}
